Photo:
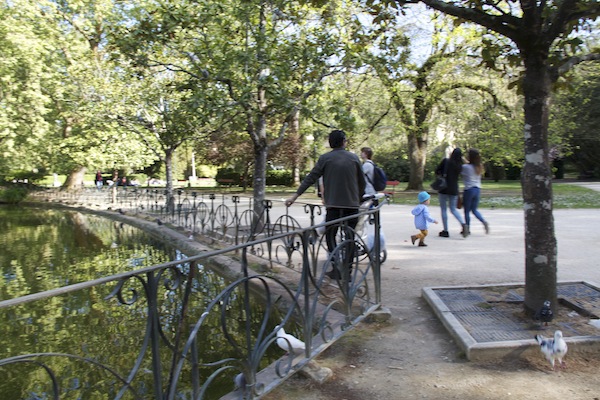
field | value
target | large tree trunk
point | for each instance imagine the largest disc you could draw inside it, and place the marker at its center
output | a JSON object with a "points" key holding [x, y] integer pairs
{"points": [[75, 179], [540, 242], [417, 156]]}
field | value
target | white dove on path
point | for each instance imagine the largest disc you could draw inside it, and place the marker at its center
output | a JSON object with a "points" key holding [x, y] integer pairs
{"points": [[553, 349], [289, 342]]}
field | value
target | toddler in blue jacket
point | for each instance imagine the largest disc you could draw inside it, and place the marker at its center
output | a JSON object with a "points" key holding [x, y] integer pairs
{"points": [[422, 218]]}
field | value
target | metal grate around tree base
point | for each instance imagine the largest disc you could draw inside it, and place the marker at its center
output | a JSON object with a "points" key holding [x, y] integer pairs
{"points": [[583, 298], [486, 322]]}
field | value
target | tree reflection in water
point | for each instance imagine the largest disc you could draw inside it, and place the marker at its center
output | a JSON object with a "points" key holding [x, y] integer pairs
{"points": [[47, 249]]}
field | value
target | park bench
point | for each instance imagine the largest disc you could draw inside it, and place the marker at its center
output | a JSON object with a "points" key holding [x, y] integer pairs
{"points": [[390, 188], [226, 182]]}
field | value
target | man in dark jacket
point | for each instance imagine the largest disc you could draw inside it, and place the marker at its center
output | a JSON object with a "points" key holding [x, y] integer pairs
{"points": [[343, 181]]}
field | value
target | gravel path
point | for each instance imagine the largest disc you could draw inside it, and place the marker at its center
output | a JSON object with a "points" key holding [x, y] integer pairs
{"points": [[413, 357]]}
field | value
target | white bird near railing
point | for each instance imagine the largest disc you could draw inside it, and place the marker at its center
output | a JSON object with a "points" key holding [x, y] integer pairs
{"points": [[239, 381], [289, 342], [553, 348]]}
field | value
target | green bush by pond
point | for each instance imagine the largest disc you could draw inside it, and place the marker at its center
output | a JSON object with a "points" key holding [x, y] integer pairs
{"points": [[13, 194]]}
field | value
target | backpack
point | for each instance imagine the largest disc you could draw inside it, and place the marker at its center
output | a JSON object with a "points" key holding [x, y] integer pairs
{"points": [[379, 181]]}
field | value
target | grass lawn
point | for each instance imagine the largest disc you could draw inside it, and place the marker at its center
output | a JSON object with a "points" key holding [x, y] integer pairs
{"points": [[502, 194]]}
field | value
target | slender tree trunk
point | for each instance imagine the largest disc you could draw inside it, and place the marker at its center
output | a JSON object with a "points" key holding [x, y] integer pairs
{"points": [[169, 172], [260, 175], [75, 179], [417, 156], [298, 155], [540, 242], [259, 138]]}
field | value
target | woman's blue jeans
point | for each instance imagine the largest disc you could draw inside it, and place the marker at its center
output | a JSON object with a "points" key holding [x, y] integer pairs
{"points": [[470, 204], [452, 200]]}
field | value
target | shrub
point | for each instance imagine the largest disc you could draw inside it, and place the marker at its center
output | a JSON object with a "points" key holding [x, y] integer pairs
{"points": [[228, 173], [513, 173], [281, 177], [13, 195], [394, 162]]}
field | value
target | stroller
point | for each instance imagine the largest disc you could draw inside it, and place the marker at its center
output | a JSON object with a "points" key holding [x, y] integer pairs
{"points": [[365, 228]]}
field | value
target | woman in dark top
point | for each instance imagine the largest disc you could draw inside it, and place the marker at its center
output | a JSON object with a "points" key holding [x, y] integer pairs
{"points": [[451, 167]]}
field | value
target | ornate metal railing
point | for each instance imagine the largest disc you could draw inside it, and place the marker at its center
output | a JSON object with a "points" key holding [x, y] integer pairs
{"points": [[224, 217], [171, 321]]}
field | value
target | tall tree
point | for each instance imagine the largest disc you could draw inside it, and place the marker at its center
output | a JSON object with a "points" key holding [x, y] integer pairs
{"points": [[23, 102], [542, 36], [479, 122], [417, 88], [67, 129], [266, 58], [357, 102], [164, 113]]}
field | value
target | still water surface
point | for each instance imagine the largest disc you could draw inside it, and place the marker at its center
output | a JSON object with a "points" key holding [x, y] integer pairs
{"points": [[44, 249]]}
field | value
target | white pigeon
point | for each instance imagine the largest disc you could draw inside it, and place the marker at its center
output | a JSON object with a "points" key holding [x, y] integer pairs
{"points": [[240, 381], [553, 349], [289, 342]]}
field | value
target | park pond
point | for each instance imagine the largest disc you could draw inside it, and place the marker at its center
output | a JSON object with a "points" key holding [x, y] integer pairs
{"points": [[45, 249]]}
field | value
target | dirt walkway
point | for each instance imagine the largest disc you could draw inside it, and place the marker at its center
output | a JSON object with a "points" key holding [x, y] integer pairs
{"points": [[413, 356]]}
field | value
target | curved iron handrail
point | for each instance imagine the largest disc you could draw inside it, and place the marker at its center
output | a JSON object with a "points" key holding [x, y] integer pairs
{"points": [[311, 305]]}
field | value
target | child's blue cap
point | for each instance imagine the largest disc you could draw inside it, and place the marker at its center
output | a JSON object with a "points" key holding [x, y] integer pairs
{"points": [[423, 197]]}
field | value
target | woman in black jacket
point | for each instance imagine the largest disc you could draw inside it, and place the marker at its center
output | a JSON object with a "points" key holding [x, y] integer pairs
{"points": [[451, 168]]}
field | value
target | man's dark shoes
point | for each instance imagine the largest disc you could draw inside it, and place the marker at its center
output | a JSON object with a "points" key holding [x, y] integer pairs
{"points": [[444, 234], [334, 274], [413, 239]]}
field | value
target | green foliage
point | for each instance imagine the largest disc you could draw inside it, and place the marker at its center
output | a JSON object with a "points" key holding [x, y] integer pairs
{"points": [[394, 162], [228, 173], [280, 177], [23, 100], [246, 67], [275, 177], [513, 172], [206, 171], [575, 119], [32, 177], [59, 100], [108, 85], [13, 194]]}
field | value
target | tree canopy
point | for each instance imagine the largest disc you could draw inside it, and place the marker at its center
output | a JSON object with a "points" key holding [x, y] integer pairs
{"points": [[543, 38]]}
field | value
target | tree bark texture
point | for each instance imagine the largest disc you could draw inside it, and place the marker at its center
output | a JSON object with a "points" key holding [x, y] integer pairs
{"points": [[169, 175], [260, 175], [75, 179], [540, 241], [417, 150]]}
